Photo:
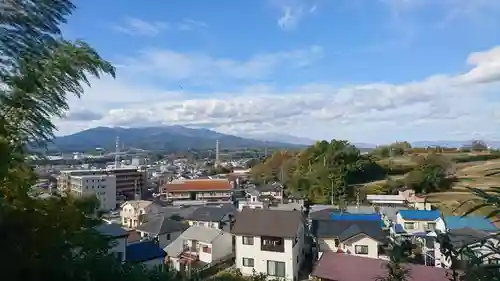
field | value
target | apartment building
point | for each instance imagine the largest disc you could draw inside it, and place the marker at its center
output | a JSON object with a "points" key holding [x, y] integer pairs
{"points": [[270, 242], [129, 181], [101, 186], [197, 189]]}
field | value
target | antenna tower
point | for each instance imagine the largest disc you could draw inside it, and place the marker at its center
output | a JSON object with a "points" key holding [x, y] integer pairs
{"points": [[217, 152], [117, 152]]}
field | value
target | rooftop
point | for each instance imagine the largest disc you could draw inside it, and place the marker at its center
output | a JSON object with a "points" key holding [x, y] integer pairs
{"points": [[420, 215], [198, 185], [265, 222], [474, 222], [144, 251], [112, 230], [345, 267]]}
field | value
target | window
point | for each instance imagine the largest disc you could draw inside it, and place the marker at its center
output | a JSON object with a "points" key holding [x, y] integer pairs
{"points": [[248, 262], [276, 268], [337, 242], [168, 236], [431, 225], [247, 240], [409, 225], [361, 249], [212, 225], [206, 249], [493, 261]]}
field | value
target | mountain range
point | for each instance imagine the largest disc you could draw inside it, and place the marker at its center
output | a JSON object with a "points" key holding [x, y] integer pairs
{"points": [[165, 138]]}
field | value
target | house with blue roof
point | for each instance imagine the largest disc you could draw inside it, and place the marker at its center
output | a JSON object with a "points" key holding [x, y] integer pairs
{"points": [[418, 222], [147, 253], [473, 222]]}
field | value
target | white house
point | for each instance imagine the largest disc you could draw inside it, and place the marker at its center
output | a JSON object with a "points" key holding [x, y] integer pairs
{"points": [[133, 212], [269, 242], [118, 238], [403, 198], [418, 222], [218, 217], [359, 238], [199, 247], [252, 201]]}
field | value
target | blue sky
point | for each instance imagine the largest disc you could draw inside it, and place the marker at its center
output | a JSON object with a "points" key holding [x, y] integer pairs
{"points": [[363, 70]]}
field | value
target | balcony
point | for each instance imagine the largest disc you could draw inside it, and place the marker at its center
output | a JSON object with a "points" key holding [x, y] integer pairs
{"points": [[272, 244]]}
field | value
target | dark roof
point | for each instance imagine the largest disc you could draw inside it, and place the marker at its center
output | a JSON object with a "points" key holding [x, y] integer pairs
{"points": [[265, 222], [325, 214], [345, 267], [466, 236], [212, 214], [162, 225], [347, 229], [144, 251], [112, 230]]}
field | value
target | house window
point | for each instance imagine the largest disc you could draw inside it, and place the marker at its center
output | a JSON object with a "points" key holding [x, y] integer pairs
{"points": [[247, 240], [207, 249], [431, 225], [493, 261], [248, 262], [212, 225], [409, 225], [361, 249], [168, 236], [276, 268], [337, 242]]}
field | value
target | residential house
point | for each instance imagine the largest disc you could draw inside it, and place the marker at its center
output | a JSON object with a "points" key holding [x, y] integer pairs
{"points": [[417, 223], [133, 212], [199, 247], [218, 217], [161, 229], [274, 190], [118, 237], [481, 241], [343, 267], [360, 238], [253, 200], [402, 199], [197, 189], [269, 242], [473, 222], [148, 253]]}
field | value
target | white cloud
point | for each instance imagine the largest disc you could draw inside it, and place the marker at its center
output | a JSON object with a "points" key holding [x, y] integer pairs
{"points": [[439, 107], [134, 26], [176, 66], [139, 27], [291, 12]]}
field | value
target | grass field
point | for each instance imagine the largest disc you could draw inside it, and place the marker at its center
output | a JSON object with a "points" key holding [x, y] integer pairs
{"points": [[480, 174]]}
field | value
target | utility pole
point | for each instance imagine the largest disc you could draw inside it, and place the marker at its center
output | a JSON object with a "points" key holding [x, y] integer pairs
{"points": [[332, 191]]}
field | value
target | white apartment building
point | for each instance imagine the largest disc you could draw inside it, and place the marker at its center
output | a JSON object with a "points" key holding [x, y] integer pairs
{"points": [[102, 186], [270, 242]]}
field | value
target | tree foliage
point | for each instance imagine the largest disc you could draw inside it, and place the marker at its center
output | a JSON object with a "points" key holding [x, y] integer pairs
{"points": [[432, 174], [53, 239], [322, 172]]}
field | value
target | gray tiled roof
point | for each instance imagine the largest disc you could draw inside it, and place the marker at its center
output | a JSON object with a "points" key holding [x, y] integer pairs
{"points": [[347, 229], [211, 214], [162, 225], [112, 230], [265, 222]]}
